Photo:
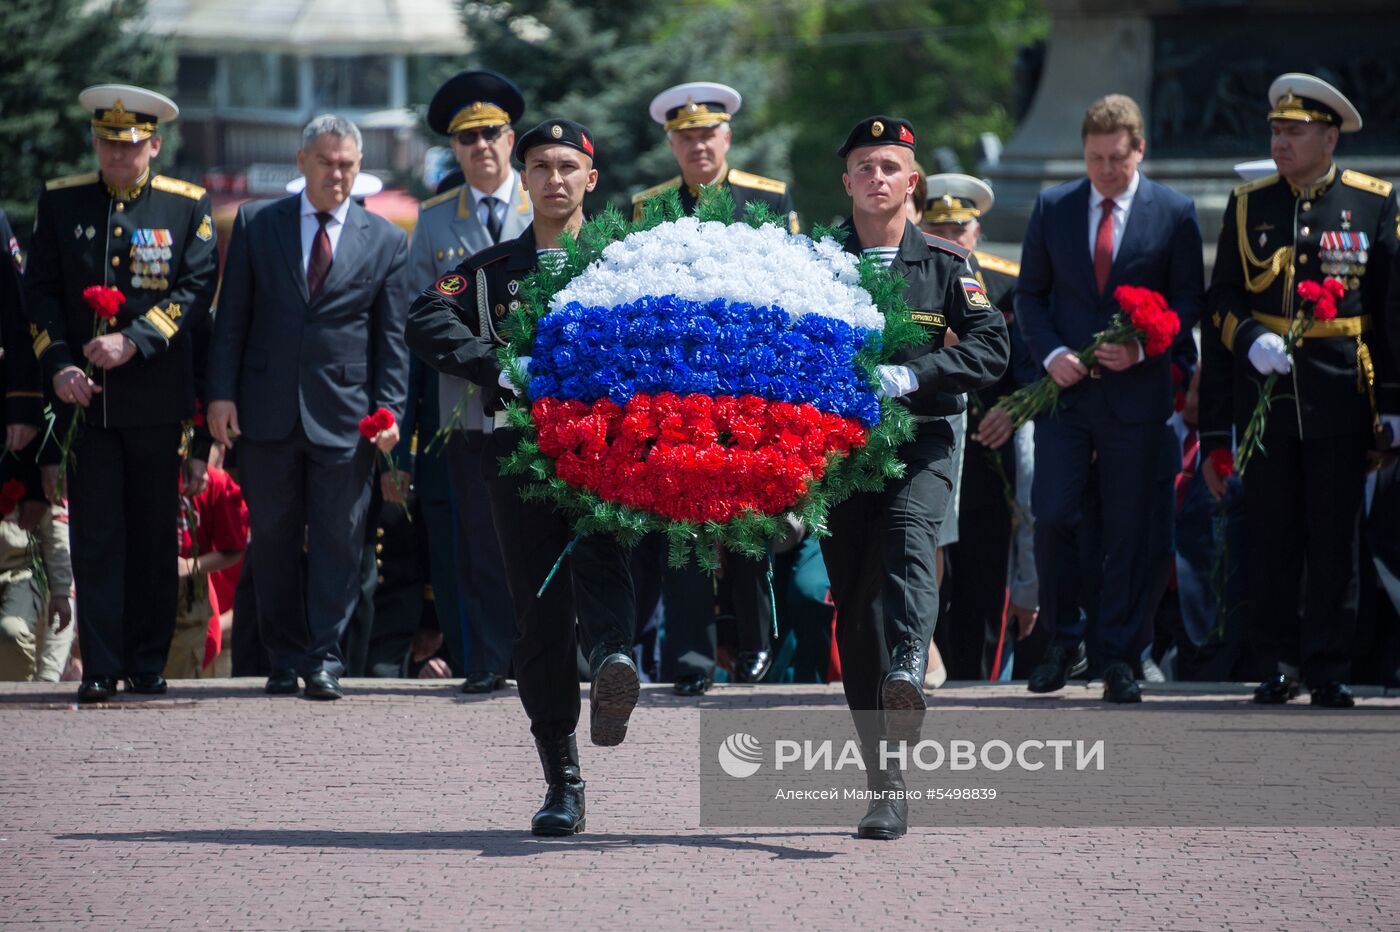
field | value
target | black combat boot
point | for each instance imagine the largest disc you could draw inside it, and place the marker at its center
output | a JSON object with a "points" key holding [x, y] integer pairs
{"points": [[562, 812], [887, 816]]}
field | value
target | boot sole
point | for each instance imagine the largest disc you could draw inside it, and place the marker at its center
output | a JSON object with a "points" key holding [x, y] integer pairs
{"points": [[901, 695], [615, 691], [879, 834], [552, 832]]}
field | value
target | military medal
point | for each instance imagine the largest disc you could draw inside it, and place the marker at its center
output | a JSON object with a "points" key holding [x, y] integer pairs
{"points": [[513, 288], [1346, 220]]}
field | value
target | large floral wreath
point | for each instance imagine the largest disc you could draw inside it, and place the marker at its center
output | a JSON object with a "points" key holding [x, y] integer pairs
{"points": [[704, 377]]}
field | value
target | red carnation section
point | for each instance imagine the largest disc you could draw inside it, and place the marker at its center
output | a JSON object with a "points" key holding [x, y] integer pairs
{"points": [[693, 458]]}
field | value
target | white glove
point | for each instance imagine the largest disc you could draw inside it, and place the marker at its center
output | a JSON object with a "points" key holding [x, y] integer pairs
{"points": [[1391, 422], [503, 379], [895, 381], [1270, 354]]}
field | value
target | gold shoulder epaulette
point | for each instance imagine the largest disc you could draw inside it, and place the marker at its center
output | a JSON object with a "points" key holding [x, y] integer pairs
{"points": [[745, 180], [656, 189], [71, 181], [443, 198], [175, 186], [1257, 184], [998, 264], [1366, 183]]}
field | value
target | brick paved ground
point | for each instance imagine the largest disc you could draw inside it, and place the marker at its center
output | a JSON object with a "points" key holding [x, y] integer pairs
{"points": [[214, 807]]}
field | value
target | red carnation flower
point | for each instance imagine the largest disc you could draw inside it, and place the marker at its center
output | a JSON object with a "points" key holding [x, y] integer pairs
{"points": [[1335, 286], [104, 301], [1147, 310], [1222, 461]]}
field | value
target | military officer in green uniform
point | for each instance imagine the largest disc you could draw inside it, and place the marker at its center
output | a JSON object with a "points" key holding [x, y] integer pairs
{"points": [[1308, 222], [152, 238], [476, 110], [696, 117]]}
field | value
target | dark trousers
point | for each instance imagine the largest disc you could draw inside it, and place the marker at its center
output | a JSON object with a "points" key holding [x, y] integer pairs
{"points": [[975, 574], [483, 596], [1302, 503], [249, 656], [880, 559], [299, 492], [123, 499], [690, 644], [593, 579], [1128, 457]]}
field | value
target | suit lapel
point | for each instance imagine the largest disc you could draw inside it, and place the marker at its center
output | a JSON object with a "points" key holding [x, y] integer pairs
{"points": [[1078, 206], [465, 226], [347, 251], [519, 212], [1139, 222], [288, 231]]}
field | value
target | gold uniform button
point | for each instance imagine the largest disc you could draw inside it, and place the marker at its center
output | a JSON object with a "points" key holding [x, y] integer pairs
{"points": [[379, 532], [116, 261], [117, 231], [1303, 260], [378, 548], [1305, 231], [1307, 205], [120, 207]]}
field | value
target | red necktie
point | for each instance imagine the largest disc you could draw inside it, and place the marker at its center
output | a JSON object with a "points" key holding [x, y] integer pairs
{"points": [[320, 265], [1103, 245]]}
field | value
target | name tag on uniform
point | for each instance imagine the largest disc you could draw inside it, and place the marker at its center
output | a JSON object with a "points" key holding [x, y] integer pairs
{"points": [[930, 319]]}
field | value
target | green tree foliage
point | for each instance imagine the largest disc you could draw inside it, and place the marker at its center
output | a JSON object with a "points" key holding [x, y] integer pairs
{"points": [[52, 50], [947, 66], [601, 65], [808, 70]]}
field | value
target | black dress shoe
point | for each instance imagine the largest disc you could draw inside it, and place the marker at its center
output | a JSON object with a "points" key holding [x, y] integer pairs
{"points": [[282, 683], [323, 685], [1333, 695], [691, 684], [97, 688], [147, 684], [1059, 665], [752, 665], [482, 681], [563, 809], [1119, 684], [1276, 690], [612, 697]]}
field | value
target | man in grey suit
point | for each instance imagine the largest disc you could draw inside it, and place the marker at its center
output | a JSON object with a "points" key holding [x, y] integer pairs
{"points": [[475, 109], [307, 341]]}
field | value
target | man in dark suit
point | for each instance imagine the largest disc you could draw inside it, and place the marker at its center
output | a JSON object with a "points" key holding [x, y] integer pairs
{"points": [[309, 340], [1084, 239]]}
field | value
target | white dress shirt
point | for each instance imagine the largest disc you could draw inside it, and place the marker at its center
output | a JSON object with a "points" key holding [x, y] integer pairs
{"points": [[1122, 204], [310, 225], [502, 196]]}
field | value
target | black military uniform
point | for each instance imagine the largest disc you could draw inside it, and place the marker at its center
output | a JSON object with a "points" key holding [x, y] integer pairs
{"points": [[1304, 489], [744, 188], [154, 242], [24, 397], [453, 326], [880, 555]]}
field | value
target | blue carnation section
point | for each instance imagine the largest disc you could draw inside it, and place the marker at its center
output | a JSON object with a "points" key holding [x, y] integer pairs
{"points": [[667, 344]]}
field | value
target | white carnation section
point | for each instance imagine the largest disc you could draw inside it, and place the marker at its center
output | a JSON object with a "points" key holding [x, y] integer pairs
{"points": [[703, 261]]}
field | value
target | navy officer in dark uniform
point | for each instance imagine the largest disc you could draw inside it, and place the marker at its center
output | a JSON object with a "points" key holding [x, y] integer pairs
{"points": [[697, 118], [1303, 491], [454, 325], [880, 555], [151, 237]]}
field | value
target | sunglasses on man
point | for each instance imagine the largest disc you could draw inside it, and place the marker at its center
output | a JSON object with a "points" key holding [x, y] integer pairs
{"points": [[468, 137]]}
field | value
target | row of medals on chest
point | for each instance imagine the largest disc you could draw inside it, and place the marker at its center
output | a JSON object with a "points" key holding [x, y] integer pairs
{"points": [[150, 259], [1340, 252]]}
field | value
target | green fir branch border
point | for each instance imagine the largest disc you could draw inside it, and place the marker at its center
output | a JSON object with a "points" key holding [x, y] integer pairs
{"points": [[865, 470]]}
